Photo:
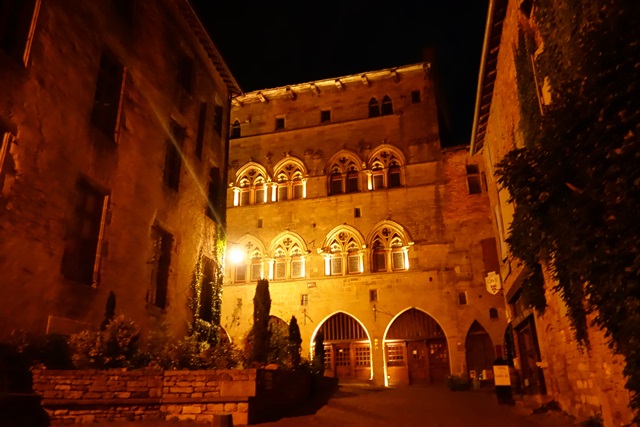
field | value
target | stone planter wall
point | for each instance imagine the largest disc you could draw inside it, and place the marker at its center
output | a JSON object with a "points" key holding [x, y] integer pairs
{"points": [[84, 396]]}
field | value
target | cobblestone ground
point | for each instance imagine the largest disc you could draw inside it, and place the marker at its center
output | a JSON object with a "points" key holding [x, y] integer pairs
{"points": [[415, 406]]}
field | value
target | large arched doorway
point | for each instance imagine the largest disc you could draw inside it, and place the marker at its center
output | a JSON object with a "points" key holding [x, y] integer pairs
{"points": [[416, 350], [478, 350], [347, 349]]}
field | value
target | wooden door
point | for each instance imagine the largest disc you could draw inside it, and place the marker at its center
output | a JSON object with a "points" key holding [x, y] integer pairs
{"points": [[418, 362], [439, 368], [342, 361]]}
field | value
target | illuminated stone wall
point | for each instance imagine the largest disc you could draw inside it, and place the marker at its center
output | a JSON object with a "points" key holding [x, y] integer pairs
{"points": [[443, 222], [47, 106]]}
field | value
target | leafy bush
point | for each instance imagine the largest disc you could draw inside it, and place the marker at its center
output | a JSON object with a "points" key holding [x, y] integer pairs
{"points": [[117, 346], [593, 421], [457, 383]]}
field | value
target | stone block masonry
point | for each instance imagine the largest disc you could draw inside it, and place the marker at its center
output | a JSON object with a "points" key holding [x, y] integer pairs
{"points": [[86, 396]]}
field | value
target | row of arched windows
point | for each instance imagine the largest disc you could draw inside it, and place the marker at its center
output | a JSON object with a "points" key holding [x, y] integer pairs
{"points": [[346, 173], [344, 251]]}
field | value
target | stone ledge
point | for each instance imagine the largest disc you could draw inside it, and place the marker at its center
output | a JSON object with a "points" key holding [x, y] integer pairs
{"points": [[100, 402], [197, 400]]}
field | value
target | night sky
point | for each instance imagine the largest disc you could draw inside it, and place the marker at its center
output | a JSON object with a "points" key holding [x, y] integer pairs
{"points": [[270, 44]]}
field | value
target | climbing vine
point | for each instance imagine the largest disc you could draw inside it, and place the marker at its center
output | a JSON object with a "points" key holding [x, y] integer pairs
{"points": [[576, 182], [206, 289]]}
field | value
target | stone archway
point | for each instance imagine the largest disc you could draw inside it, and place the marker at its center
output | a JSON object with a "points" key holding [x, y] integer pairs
{"points": [[416, 350], [347, 348], [478, 350]]}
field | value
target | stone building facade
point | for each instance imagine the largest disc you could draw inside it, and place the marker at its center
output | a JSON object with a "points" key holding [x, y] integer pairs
{"points": [[548, 359], [114, 123], [342, 197]]}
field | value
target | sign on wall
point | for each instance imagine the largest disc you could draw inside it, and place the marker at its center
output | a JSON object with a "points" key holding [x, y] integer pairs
{"points": [[493, 282]]}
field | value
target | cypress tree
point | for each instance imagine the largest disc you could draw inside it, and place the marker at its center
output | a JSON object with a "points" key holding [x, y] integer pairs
{"points": [[295, 340], [318, 353], [261, 308]]}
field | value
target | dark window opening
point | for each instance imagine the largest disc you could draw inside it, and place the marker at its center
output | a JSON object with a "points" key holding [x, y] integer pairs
{"points": [[462, 298], [374, 108], [394, 177], [214, 193], [245, 197], [235, 130], [490, 255], [325, 116], [162, 242], [493, 313], [526, 6], [473, 179], [202, 122], [304, 299], [378, 180], [298, 192], [379, 258], [373, 295], [106, 102], [415, 97], [336, 183], [15, 24], [217, 119], [260, 194], [173, 157], [125, 10], [259, 222], [206, 291], [283, 193], [83, 235], [356, 212], [387, 106], [352, 182], [186, 75], [279, 123]]}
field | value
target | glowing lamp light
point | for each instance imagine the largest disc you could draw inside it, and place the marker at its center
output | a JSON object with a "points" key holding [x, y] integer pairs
{"points": [[235, 255]]}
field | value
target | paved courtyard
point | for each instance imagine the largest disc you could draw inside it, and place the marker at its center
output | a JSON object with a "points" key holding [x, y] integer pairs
{"points": [[415, 406]]}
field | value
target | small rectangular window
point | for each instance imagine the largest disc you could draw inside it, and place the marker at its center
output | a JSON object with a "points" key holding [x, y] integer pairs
{"points": [[394, 178], [217, 119], [259, 222], [256, 271], [279, 123], [398, 260], [336, 184], [380, 261], [173, 157], [336, 265], [162, 242], [213, 194], [354, 263], [297, 268], [352, 182], [373, 295], [241, 273], [462, 298], [283, 192], [325, 116], [281, 270], [260, 195], [108, 96], [202, 122], [415, 96], [356, 213], [298, 192], [473, 179], [304, 299], [186, 75], [378, 181], [244, 197], [17, 27], [83, 235]]}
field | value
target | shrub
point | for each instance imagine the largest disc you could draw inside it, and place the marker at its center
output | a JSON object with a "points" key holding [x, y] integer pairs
{"points": [[457, 383], [117, 346]]}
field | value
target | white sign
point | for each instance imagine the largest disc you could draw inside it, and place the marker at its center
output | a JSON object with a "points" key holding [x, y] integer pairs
{"points": [[493, 283], [501, 375]]}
